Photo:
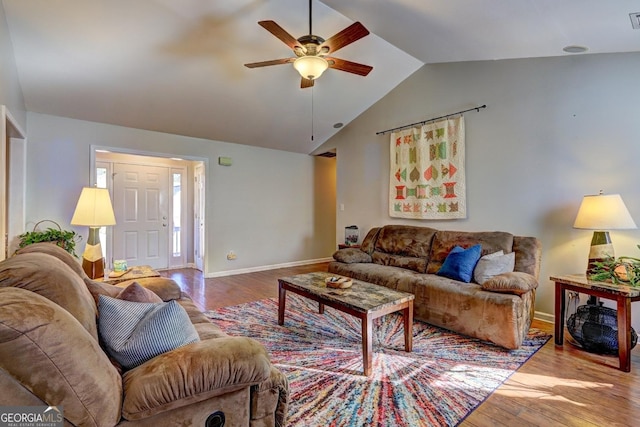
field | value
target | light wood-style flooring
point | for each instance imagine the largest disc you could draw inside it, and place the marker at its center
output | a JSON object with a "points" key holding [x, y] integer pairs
{"points": [[556, 387]]}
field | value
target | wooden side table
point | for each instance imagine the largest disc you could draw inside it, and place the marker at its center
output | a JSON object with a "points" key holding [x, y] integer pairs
{"points": [[138, 272], [343, 246], [623, 295]]}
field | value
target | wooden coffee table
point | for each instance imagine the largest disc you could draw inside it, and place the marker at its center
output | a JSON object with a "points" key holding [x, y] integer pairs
{"points": [[363, 300]]}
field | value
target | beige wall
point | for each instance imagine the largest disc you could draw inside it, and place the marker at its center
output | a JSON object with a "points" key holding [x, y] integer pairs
{"points": [[554, 130], [265, 207], [10, 91]]}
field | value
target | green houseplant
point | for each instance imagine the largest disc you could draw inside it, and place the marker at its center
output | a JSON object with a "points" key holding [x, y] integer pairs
{"points": [[66, 239], [622, 270]]}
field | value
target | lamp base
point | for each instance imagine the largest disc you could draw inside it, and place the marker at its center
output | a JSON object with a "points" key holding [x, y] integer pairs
{"points": [[92, 259], [601, 250], [93, 269]]}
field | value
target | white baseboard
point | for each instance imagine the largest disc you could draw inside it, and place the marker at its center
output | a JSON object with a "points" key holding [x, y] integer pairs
{"points": [[544, 317], [266, 267]]}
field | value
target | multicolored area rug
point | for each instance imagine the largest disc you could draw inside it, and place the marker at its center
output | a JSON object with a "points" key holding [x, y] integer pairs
{"points": [[438, 384]]}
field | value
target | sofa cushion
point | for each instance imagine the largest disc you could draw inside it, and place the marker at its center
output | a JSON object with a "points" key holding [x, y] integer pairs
{"points": [[351, 255], [516, 282], [135, 332], [167, 289], [53, 279], [403, 246], [460, 263], [444, 241], [51, 355], [369, 241], [56, 251], [493, 264], [405, 240], [528, 253], [136, 293]]}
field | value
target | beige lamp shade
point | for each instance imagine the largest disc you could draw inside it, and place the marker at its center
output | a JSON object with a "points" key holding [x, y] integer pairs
{"points": [[94, 208], [603, 212]]}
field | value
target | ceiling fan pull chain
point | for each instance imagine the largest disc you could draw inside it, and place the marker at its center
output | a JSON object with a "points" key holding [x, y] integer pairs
{"points": [[312, 113]]}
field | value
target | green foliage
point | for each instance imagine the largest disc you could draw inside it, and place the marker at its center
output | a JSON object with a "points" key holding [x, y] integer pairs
{"points": [[64, 238], [622, 270]]}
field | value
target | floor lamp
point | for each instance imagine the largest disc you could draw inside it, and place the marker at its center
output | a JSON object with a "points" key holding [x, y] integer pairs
{"points": [[94, 210]]}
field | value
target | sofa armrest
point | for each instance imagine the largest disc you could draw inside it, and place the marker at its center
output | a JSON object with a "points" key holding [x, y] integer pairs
{"points": [[352, 255], [193, 373], [515, 282]]}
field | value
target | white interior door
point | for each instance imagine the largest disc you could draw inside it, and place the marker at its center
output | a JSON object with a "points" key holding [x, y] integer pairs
{"points": [[141, 206]]}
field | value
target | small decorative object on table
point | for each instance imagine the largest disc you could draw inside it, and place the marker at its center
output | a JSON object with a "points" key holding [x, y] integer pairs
{"points": [[120, 265], [351, 235], [338, 282]]}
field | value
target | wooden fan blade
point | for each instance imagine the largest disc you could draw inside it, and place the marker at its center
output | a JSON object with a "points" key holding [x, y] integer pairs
{"points": [[272, 62], [352, 33], [349, 67], [305, 83], [280, 33]]}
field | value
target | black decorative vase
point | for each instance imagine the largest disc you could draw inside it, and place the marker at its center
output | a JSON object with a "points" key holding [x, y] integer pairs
{"points": [[595, 328]]}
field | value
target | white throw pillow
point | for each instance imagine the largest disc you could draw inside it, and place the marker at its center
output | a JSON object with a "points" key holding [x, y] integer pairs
{"points": [[493, 264]]}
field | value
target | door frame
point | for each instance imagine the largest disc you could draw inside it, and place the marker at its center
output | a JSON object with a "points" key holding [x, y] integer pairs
{"points": [[94, 149], [199, 223], [12, 205]]}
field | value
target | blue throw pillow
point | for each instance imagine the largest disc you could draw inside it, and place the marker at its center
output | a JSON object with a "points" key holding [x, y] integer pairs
{"points": [[460, 263], [134, 332]]}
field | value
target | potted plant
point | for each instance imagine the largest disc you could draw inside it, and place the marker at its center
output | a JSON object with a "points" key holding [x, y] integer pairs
{"points": [[622, 270], [66, 239]]}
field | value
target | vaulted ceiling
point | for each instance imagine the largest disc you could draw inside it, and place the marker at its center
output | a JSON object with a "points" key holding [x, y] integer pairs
{"points": [[176, 66]]}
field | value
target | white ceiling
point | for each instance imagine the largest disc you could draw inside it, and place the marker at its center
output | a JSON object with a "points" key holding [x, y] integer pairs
{"points": [[176, 66]]}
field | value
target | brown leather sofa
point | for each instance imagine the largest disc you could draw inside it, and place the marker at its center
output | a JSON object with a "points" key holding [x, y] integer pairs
{"points": [[51, 354], [407, 258]]}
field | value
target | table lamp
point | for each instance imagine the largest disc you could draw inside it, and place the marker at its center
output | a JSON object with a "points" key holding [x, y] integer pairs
{"points": [[602, 212], [94, 210]]}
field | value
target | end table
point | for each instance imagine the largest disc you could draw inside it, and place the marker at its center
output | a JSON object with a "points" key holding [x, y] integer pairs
{"points": [[623, 295], [138, 272]]}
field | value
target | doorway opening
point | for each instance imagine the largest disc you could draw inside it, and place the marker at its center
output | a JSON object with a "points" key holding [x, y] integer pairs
{"points": [[157, 208]]}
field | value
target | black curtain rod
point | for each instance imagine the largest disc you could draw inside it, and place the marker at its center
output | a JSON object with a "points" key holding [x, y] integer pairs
{"points": [[477, 109]]}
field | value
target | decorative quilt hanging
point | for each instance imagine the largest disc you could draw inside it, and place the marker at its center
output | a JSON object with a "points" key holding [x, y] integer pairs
{"points": [[427, 179]]}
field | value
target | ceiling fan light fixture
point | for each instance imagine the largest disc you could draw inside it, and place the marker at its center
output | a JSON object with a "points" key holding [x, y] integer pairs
{"points": [[310, 67]]}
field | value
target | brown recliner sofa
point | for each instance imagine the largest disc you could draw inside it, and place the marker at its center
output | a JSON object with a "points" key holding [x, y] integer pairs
{"points": [[407, 258], [51, 355]]}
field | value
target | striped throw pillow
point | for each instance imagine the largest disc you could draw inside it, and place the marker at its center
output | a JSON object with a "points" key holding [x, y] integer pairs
{"points": [[134, 332]]}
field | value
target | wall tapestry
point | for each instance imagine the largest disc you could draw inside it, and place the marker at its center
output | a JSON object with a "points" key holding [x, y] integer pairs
{"points": [[427, 179]]}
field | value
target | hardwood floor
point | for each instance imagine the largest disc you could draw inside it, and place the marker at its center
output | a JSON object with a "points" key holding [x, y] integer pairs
{"points": [[558, 386]]}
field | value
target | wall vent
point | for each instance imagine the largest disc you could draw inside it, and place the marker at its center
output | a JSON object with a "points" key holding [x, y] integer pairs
{"points": [[635, 20]]}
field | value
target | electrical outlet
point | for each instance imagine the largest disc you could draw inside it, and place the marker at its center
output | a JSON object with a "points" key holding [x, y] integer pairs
{"points": [[231, 256]]}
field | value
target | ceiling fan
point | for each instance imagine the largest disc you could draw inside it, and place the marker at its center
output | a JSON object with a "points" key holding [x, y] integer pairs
{"points": [[311, 51]]}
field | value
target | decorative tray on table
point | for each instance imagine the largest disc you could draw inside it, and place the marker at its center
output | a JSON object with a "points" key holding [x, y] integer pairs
{"points": [[338, 282]]}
